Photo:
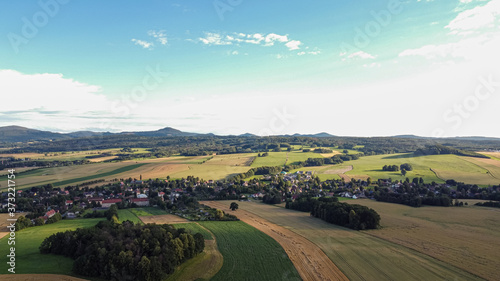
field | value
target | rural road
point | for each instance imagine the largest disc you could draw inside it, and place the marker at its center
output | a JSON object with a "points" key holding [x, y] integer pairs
{"points": [[309, 260]]}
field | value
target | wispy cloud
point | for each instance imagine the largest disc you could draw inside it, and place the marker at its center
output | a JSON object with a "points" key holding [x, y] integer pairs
{"points": [[158, 35], [357, 55], [142, 43], [265, 40], [477, 18], [215, 39], [474, 35]]}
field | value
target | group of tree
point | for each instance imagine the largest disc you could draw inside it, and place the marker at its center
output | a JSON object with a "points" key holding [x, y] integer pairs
{"points": [[413, 198], [273, 197], [488, 204], [328, 209], [25, 222], [391, 168], [126, 251]]}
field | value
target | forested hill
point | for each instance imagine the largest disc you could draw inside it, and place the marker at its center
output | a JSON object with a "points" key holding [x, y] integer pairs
{"points": [[441, 149], [209, 144]]}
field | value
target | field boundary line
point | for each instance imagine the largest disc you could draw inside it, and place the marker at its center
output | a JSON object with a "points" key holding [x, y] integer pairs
{"points": [[489, 172]]}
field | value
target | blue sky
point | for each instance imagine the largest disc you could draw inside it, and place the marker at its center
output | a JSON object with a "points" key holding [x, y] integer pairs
{"points": [[364, 68]]}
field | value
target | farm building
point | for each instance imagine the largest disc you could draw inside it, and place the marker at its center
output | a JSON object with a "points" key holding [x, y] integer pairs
{"points": [[109, 202], [140, 201]]}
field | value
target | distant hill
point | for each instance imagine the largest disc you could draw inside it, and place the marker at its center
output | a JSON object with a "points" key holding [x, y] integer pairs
{"points": [[318, 135], [22, 134], [247, 135], [408, 137], [165, 132], [84, 134]]}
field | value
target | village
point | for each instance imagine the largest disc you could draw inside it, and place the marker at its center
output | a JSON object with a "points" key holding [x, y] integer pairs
{"points": [[72, 202]]}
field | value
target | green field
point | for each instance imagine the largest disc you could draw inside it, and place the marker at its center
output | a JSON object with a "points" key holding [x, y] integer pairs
{"points": [[148, 211], [210, 172], [437, 168], [97, 176], [194, 228], [28, 257], [249, 254], [127, 214]]}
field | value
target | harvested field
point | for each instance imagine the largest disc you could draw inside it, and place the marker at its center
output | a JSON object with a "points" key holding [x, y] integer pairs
{"points": [[101, 159], [38, 277], [360, 256], [163, 219], [466, 237], [491, 154], [232, 159], [308, 259], [156, 170], [492, 166], [4, 223], [339, 170]]}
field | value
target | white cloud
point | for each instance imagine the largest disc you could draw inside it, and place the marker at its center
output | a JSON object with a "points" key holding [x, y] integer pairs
{"points": [[309, 53], [480, 17], [215, 39], [472, 37], [272, 37], [371, 65], [260, 39], [144, 44], [293, 45], [43, 99], [357, 55], [160, 36]]}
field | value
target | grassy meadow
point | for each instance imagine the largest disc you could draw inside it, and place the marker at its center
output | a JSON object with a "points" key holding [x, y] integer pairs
{"points": [[28, 257]]}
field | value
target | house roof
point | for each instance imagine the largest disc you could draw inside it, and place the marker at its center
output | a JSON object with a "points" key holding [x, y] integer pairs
{"points": [[139, 199], [112, 201]]}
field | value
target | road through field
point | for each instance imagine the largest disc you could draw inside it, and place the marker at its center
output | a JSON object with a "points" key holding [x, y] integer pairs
{"points": [[308, 259], [358, 255]]}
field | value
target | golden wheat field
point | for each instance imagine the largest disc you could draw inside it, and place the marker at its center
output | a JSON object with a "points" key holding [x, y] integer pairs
{"points": [[466, 237], [360, 255]]}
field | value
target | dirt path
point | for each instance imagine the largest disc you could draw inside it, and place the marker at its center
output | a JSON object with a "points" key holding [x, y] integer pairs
{"points": [[308, 259], [38, 277], [341, 172]]}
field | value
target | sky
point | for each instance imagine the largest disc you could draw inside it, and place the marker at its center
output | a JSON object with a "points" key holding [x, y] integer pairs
{"points": [[349, 68]]}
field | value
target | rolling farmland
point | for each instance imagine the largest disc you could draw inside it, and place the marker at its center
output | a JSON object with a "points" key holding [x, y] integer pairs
{"points": [[437, 168], [360, 256], [308, 259]]}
